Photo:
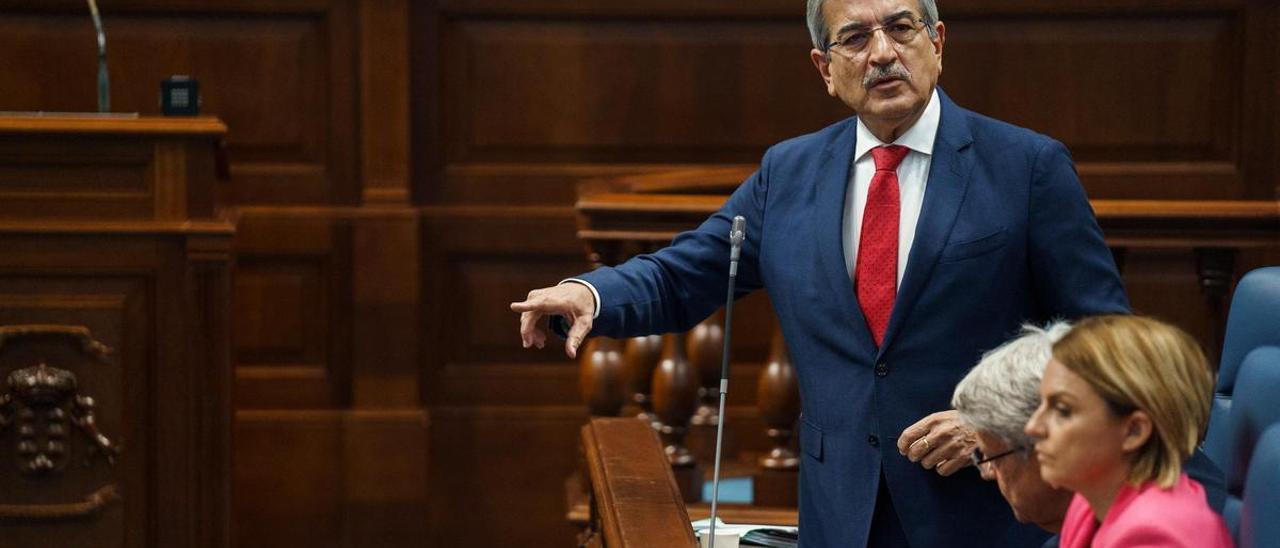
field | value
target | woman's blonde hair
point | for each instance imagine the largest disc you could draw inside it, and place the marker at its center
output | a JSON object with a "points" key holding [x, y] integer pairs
{"points": [[1138, 363]]}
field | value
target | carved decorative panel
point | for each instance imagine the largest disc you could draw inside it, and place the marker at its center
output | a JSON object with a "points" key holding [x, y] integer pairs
{"points": [[54, 421], [69, 357]]}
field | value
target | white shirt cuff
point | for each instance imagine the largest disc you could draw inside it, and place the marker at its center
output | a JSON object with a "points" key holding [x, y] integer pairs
{"points": [[594, 293]]}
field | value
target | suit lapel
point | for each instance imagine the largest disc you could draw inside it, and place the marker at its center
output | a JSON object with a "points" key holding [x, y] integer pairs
{"points": [[948, 179], [833, 177]]}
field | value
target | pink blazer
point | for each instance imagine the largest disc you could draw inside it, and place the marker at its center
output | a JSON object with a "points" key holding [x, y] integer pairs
{"points": [[1149, 517]]}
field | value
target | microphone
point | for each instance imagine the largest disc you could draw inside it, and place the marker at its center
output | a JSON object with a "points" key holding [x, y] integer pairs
{"points": [[104, 91], [737, 233]]}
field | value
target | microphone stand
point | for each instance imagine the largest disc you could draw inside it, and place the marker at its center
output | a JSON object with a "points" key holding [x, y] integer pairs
{"points": [[736, 235], [104, 91]]}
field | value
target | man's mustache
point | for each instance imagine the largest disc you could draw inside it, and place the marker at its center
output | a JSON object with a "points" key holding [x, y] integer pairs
{"points": [[885, 72]]}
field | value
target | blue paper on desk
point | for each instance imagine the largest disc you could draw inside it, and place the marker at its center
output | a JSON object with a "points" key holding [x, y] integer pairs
{"points": [[754, 534]]}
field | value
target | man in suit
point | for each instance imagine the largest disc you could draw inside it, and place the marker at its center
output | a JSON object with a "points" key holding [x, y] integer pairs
{"points": [[896, 246]]}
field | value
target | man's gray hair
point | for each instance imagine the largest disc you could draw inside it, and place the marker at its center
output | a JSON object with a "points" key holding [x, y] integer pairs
{"points": [[1000, 394], [818, 23]]}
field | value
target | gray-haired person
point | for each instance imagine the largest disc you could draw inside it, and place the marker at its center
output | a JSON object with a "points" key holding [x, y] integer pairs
{"points": [[996, 399]]}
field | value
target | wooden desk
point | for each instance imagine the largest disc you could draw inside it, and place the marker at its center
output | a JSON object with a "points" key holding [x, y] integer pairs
{"points": [[114, 288]]}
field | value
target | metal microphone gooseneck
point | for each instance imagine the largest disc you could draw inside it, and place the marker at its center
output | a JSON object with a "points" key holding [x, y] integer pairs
{"points": [[104, 87], [737, 234]]}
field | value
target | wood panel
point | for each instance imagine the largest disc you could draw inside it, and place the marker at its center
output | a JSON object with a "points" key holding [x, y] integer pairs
{"points": [[385, 477], [702, 90], [327, 354], [50, 177], [473, 275], [113, 168], [331, 478], [1169, 123], [690, 90], [498, 474], [290, 291], [1261, 124], [283, 81], [347, 268], [114, 310], [325, 297], [1164, 283], [144, 294], [288, 462]]}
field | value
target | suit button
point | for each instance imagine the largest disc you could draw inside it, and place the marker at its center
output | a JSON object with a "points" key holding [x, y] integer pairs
{"points": [[873, 440], [882, 369]]}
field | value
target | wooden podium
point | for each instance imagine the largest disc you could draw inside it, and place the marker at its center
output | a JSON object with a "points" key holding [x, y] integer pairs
{"points": [[115, 408]]}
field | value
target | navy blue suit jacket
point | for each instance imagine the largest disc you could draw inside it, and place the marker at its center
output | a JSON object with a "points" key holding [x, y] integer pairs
{"points": [[1005, 236]]}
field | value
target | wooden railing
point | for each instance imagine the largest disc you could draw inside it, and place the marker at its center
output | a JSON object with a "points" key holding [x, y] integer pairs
{"points": [[634, 502], [630, 496]]}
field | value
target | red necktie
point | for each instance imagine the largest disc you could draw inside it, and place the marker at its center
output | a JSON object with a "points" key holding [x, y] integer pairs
{"points": [[876, 274]]}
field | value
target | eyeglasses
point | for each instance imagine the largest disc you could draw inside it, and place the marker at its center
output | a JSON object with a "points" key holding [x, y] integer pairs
{"points": [[902, 31], [979, 459]]}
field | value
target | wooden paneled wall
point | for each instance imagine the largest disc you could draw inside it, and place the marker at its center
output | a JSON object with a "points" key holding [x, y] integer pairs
{"points": [[400, 171], [330, 431], [515, 101]]}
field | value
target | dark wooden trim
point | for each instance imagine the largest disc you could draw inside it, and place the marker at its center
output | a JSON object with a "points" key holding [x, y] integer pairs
{"points": [[80, 124], [621, 216], [138, 228]]}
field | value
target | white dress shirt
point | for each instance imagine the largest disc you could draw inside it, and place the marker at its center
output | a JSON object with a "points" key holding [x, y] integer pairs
{"points": [[913, 173]]}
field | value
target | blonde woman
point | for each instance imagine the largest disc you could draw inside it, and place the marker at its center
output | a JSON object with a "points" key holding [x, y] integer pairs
{"points": [[1123, 403]]}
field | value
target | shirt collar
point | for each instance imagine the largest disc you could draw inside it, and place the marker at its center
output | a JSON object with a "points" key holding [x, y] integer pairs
{"points": [[918, 138]]}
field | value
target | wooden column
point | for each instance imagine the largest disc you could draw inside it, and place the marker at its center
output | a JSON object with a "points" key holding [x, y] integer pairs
{"points": [[640, 360], [705, 348], [601, 376], [386, 414], [675, 396], [778, 397]]}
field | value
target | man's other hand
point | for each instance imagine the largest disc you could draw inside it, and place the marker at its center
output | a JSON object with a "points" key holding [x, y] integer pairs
{"points": [[939, 442], [571, 300]]}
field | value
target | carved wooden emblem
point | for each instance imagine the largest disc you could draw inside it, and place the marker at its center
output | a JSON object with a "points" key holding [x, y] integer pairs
{"points": [[45, 415], [42, 404]]}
